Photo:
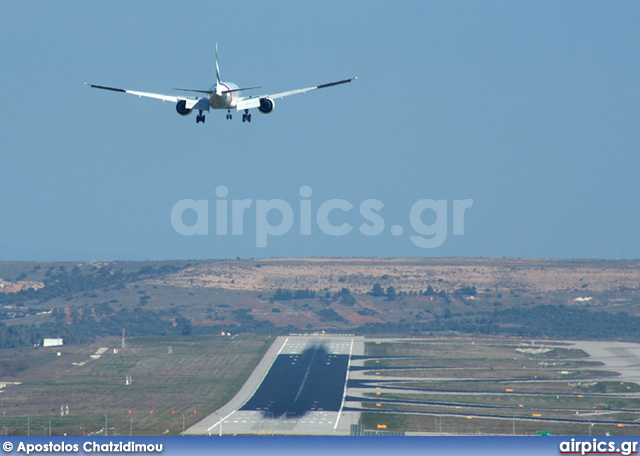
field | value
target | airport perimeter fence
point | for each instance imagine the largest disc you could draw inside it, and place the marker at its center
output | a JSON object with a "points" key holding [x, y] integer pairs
{"points": [[358, 430]]}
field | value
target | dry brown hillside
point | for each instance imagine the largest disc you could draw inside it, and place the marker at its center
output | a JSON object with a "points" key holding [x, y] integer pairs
{"points": [[413, 274]]}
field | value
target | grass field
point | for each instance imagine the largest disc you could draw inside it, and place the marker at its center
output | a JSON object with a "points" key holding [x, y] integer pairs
{"points": [[200, 374], [451, 386], [460, 386]]}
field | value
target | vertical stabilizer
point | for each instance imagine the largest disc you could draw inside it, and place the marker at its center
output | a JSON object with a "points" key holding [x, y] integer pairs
{"points": [[217, 67]]}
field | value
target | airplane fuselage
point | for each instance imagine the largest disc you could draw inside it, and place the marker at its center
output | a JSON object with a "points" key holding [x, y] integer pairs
{"points": [[226, 100]]}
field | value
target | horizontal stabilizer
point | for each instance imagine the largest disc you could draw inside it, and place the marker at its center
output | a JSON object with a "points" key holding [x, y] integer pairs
{"points": [[213, 91], [238, 90], [195, 90]]}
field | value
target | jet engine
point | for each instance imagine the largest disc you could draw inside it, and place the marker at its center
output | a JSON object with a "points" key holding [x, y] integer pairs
{"points": [[181, 107], [266, 105]]}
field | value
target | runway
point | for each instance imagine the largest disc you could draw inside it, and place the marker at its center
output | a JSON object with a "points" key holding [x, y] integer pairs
{"points": [[297, 388]]}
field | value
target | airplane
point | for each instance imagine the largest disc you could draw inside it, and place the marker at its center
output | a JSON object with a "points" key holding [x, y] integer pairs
{"points": [[222, 95]]}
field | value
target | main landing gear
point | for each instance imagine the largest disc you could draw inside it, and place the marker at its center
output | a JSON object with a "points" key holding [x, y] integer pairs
{"points": [[246, 117]]}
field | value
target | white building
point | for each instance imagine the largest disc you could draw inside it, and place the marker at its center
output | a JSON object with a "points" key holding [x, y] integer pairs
{"points": [[52, 342]]}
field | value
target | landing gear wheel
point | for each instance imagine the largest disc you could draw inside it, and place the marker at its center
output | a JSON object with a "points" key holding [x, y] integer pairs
{"points": [[200, 118], [246, 117]]}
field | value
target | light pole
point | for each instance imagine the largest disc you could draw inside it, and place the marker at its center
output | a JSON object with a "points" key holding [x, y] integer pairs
{"points": [[105, 425]]}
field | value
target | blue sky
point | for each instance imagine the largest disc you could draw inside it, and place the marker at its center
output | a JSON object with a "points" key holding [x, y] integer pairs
{"points": [[529, 109]]}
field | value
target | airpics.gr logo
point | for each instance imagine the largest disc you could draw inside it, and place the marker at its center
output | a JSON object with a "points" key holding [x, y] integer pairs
{"points": [[277, 217]]}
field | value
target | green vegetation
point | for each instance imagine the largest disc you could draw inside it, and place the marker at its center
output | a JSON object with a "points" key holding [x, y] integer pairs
{"points": [[542, 321], [167, 304], [467, 291], [474, 425], [81, 328], [329, 315], [89, 300], [493, 386], [283, 294], [61, 282], [377, 290], [171, 376]]}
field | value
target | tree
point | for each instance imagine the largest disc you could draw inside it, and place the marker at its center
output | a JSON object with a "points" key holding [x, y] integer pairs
{"points": [[183, 326], [347, 299], [391, 294], [282, 295], [467, 291], [377, 290]]}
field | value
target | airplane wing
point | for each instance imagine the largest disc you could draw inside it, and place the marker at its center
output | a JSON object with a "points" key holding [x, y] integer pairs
{"points": [[190, 102], [254, 102]]}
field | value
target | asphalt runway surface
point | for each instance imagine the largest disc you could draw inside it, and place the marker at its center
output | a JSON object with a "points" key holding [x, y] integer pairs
{"points": [[301, 383], [297, 388]]}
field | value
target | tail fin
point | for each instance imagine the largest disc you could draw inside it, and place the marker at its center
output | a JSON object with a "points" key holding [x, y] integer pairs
{"points": [[217, 67]]}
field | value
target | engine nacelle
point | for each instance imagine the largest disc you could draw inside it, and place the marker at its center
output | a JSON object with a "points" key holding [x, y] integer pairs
{"points": [[181, 107], [266, 105]]}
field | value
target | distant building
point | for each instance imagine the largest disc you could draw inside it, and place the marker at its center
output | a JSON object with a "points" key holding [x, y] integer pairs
{"points": [[52, 342]]}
